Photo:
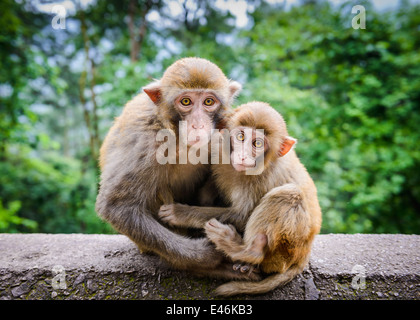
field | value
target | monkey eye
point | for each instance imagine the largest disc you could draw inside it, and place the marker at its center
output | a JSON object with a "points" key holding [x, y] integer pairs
{"points": [[209, 102], [185, 101], [240, 136], [258, 143]]}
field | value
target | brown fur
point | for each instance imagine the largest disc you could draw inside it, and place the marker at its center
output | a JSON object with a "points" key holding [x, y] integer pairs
{"points": [[278, 210], [134, 185]]}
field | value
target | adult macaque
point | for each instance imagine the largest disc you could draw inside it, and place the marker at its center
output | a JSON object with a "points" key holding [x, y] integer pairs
{"points": [[134, 185], [277, 210]]}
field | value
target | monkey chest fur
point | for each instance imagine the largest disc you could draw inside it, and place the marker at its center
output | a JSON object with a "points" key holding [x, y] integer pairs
{"points": [[185, 179]]}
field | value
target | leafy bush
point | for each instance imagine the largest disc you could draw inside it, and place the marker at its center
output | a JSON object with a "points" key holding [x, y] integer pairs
{"points": [[48, 194]]}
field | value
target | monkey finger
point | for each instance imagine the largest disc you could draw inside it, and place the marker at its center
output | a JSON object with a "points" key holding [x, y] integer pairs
{"points": [[167, 214], [166, 217], [245, 268], [214, 223], [220, 228], [251, 269], [239, 266], [166, 208], [212, 227], [215, 233], [236, 266]]}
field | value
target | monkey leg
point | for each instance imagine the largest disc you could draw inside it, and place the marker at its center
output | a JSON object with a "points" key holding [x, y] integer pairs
{"points": [[228, 240], [182, 215], [282, 215]]}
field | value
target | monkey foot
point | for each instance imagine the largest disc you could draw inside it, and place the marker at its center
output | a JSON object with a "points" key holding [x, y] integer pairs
{"points": [[245, 268], [240, 271]]}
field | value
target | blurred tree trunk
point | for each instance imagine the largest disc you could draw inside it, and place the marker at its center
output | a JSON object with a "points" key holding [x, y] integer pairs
{"points": [[131, 28], [90, 117], [95, 108], [137, 35]]}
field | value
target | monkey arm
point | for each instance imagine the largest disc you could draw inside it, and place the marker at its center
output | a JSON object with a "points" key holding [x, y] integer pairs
{"points": [[149, 235], [196, 255], [182, 215]]}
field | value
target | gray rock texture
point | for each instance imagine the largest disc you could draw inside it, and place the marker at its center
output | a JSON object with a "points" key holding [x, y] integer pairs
{"points": [[76, 266]]}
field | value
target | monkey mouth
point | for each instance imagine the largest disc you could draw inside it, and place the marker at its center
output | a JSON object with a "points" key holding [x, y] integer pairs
{"points": [[192, 142], [243, 166]]}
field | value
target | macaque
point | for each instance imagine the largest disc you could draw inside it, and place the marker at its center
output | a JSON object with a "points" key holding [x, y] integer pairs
{"points": [[134, 184], [277, 210]]}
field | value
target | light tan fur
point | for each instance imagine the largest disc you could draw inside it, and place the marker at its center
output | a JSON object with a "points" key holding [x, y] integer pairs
{"points": [[278, 210]]}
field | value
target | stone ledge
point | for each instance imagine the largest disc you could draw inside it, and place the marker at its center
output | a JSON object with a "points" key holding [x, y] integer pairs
{"points": [[77, 266]]}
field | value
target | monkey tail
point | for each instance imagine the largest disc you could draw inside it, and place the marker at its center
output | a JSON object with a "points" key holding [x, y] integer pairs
{"points": [[268, 284]]}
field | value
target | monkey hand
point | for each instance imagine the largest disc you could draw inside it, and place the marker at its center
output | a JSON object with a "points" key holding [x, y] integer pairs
{"points": [[172, 214], [224, 236], [228, 240], [167, 214]]}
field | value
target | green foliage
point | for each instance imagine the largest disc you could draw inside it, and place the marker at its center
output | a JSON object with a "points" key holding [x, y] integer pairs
{"points": [[9, 221], [51, 191], [119, 90]]}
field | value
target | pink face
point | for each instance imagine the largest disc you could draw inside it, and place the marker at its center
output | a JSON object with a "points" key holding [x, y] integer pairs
{"points": [[197, 108], [248, 145]]}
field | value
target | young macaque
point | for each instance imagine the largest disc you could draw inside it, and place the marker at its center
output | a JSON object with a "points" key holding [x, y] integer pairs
{"points": [[272, 198]]}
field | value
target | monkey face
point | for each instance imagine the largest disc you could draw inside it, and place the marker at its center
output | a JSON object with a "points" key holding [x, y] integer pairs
{"points": [[248, 148], [193, 91], [252, 152], [197, 108]]}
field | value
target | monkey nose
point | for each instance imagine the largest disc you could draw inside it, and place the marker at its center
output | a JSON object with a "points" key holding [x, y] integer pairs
{"points": [[195, 126]]}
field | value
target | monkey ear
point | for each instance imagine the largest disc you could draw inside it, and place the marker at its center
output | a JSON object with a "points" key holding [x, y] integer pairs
{"points": [[286, 146], [153, 90], [234, 88]]}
